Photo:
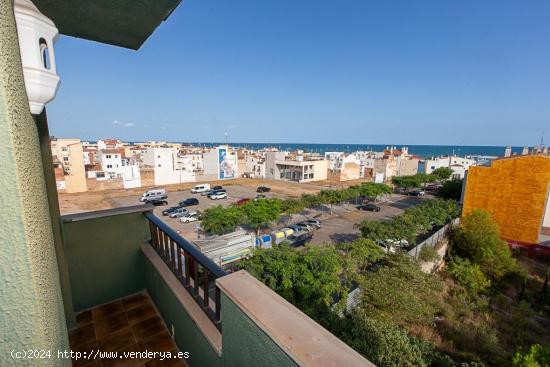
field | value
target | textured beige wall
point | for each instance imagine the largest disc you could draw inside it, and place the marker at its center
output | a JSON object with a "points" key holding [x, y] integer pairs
{"points": [[514, 191], [31, 306]]}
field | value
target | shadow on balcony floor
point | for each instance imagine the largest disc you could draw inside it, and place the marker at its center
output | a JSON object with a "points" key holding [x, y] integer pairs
{"points": [[132, 324]]}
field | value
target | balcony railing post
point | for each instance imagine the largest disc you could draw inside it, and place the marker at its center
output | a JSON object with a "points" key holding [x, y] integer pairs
{"points": [[217, 300], [187, 262], [206, 298]]}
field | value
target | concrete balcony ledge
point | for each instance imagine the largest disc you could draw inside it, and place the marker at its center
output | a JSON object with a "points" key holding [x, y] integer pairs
{"points": [[106, 213], [306, 342]]}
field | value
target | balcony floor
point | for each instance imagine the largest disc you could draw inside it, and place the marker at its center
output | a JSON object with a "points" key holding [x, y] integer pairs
{"points": [[130, 324]]}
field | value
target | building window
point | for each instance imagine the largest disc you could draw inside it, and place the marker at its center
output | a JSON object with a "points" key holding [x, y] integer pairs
{"points": [[116, 155], [64, 149], [109, 166], [66, 159], [159, 165], [108, 156]]}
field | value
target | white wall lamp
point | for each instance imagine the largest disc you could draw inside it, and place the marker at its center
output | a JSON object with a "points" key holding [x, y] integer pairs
{"points": [[37, 35]]}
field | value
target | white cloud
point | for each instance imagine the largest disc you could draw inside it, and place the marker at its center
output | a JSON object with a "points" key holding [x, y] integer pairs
{"points": [[116, 122], [129, 124]]}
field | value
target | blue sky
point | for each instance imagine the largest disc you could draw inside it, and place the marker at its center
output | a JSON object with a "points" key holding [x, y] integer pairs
{"points": [[464, 72]]}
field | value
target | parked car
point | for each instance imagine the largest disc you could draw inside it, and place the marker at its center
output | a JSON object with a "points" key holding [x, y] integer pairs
{"points": [[296, 228], [263, 189], [369, 207], [416, 193], [180, 212], [306, 226], [156, 201], [315, 222], [200, 188], [189, 202], [215, 188], [212, 191], [166, 212], [243, 201], [299, 238], [260, 196], [153, 194], [433, 187], [218, 195], [190, 217]]}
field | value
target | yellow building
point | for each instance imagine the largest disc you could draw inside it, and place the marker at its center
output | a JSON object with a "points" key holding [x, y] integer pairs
{"points": [[516, 192], [69, 153]]}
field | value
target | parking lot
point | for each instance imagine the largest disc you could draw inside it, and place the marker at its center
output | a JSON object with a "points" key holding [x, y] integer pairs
{"points": [[336, 227], [188, 230]]}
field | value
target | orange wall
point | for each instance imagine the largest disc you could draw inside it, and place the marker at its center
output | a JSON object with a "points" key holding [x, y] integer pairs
{"points": [[514, 191]]}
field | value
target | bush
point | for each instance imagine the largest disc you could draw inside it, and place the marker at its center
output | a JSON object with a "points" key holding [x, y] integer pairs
{"points": [[468, 275], [398, 291], [382, 343], [428, 254], [536, 356], [477, 239]]}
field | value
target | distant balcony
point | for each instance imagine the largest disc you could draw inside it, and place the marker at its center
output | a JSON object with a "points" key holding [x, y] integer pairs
{"points": [[137, 285]]}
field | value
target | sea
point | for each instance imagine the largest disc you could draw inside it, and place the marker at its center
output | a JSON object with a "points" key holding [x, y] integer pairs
{"points": [[424, 151]]}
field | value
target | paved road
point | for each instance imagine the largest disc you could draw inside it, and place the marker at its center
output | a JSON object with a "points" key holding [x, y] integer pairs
{"points": [[340, 227]]}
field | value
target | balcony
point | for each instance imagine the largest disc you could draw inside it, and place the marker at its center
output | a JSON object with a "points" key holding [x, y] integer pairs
{"points": [[137, 285]]}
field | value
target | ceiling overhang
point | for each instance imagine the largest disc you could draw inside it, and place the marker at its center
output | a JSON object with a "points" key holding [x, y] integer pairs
{"points": [[124, 23]]}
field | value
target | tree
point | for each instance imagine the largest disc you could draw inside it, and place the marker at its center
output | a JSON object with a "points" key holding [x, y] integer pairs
{"points": [[308, 279], [442, 173], [360, 254], [407, 182], [261, 212], [220, 220], [451, 189], [477, 239]]}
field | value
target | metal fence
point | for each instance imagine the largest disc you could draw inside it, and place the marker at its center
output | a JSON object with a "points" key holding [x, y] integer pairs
{"points": [[435, 238]]}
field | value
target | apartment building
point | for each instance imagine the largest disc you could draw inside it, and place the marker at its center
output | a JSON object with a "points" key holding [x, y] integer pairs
{"points": [[296, 167], [459, 165], [165, 164], [220, 163], [110, 161], [343, 167], [67, 155], [254, 165]]}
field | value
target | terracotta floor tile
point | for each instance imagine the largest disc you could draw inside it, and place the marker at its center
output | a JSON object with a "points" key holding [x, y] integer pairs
{"points": [[135, 300], [160, 342], [82, 335], [110, 325], [88, 349], [146, 328], [107, 310], [84, 318], [117, 340], [141, 313]]}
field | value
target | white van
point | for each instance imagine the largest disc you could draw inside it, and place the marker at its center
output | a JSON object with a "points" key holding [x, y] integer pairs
{"points": [[200, 188], [153, 194]]}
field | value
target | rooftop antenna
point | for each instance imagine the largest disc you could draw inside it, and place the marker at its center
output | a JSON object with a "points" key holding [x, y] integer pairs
{"points": [[541, 139]]}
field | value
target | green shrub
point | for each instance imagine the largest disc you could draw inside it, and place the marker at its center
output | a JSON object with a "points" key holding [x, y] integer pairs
{"points": [[536, 356], [428, 254], [468, 275], [477, 239], [383, 343]]}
